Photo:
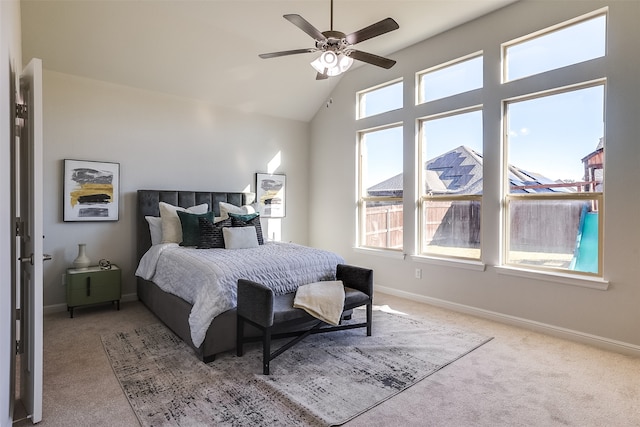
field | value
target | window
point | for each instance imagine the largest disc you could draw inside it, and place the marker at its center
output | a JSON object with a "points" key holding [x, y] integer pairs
{"points": [[380, 99], [555, 177], [461, 75], [545, 176], [554, 49], [450, 166], [381, 188], [451, 184], [554, 153]]}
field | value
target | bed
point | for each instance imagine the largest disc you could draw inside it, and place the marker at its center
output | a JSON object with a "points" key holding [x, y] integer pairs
{"points": [[210, 337]]}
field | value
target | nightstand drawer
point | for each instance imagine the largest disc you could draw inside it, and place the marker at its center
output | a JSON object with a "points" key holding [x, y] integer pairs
{"points": [[92, 286]]}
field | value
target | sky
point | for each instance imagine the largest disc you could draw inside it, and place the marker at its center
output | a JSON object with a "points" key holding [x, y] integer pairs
{"points": [[547, 135]]}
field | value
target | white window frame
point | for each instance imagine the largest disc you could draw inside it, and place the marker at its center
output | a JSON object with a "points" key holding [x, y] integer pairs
{"points": [[507, 198], [419, 75], [361, 104], [531, 36], [424, 198], [363, 199]]}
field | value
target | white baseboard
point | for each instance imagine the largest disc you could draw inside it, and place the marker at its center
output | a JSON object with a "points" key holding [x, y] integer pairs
{"points": [[56, 308], [569, 334]]}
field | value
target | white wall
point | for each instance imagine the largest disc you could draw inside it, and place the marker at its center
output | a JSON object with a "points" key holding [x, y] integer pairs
{"points": [[613, 315], [161, 142], [10, 60]]}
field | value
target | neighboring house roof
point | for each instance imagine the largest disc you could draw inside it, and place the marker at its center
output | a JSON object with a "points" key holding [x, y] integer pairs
{"points": [[594, 154], [433, 183], [520, 177], [391, 185], [459, 171]]}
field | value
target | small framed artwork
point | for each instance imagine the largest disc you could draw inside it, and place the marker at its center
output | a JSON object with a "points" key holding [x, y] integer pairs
{"points": [[270, 194], [91, 190]]}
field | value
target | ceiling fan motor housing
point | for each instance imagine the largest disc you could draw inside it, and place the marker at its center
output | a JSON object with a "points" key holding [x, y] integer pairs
{"points": [[335, 41]]}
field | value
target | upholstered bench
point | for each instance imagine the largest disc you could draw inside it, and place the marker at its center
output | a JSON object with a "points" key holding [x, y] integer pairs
{"points": [[272, 314]]}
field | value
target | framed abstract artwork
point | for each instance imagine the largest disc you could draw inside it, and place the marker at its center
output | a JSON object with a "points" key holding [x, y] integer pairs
{"points": [[270, 194], [91, 190]]}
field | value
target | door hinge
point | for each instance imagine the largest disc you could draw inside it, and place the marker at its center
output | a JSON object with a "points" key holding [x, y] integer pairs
{"points": [[22, 111], [19, 227], [19, 345]]}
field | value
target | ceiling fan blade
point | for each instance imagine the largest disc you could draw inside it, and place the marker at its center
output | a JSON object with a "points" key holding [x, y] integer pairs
{"points": [[285, 53], [321, 76], [373, 30], [372, 59], [305, 26]]}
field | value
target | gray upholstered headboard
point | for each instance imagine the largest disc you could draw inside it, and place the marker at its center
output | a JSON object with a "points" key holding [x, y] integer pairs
{"points": [[148, 206]]}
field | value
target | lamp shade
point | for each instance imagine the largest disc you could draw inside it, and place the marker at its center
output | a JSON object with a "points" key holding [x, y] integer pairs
{"points": [[331, 63]]}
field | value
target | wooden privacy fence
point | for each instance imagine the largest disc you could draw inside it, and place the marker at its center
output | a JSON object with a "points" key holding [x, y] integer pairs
{"points": [[545, 227], [384, 226], [550, 227]]}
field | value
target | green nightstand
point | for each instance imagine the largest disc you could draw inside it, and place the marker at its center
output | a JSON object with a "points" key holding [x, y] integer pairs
{"points": [[92, 285]]}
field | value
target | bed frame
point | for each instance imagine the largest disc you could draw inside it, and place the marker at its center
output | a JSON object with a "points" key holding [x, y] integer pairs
{"points": [[170, 309]]}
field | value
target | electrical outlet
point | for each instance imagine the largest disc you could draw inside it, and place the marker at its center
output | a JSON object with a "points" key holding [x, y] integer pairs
{"points": [[64, 279], [418, 273]]}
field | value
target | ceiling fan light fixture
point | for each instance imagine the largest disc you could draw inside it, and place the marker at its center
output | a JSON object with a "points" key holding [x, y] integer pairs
{"points": [[344, 63], [328, 59], [332, 64]]}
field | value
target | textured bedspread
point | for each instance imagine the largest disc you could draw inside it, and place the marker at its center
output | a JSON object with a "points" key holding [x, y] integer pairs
{"points": [[208, 278]]}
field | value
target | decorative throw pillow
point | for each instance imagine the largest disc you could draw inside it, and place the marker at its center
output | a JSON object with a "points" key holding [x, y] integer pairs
{"points": [[227, 208], [191, 227], [239, 237], [249, 220], [171, 228], [244, 217], [155, 229], [211, 233]]}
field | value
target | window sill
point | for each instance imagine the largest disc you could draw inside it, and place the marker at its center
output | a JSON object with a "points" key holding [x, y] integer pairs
{"points": [[567, 279], [380, 252], [450, 262]]}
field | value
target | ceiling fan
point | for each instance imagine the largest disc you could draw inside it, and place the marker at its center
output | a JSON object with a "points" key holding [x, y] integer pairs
{"points": [[337, 47]]}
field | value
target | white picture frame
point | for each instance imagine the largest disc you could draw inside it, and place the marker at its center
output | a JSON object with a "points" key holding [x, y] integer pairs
{"points": [[271, 195], [91, 191]]}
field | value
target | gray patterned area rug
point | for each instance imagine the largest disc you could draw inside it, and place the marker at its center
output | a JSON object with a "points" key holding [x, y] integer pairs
{"points": [[327, 379]]}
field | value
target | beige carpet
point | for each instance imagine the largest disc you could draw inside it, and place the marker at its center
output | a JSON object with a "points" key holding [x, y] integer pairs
{"points": [[520, 378]]}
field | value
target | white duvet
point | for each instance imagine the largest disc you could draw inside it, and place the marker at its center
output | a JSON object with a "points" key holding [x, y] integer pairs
{"points": [[208, 278]]}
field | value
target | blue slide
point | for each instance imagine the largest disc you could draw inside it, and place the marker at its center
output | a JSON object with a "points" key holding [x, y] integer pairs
{"points": [[585, 257]]}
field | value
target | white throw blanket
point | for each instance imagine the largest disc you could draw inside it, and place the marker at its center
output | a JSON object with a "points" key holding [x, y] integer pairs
{"points": [[322, 300]]}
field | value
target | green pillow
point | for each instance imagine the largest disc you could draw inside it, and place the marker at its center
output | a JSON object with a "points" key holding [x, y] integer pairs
{"points": [[244, 217], [191, 227]]}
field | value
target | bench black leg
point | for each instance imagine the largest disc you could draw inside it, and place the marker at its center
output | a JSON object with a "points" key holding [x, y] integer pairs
{"points": [[239, 337], [369, 318], [266, 350]]}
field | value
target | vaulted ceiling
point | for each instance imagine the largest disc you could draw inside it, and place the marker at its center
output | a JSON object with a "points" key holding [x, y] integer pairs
{"points": [[208, 49]]}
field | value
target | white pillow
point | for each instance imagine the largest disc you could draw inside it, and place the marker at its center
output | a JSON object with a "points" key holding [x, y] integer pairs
{"points": [[227, 208], [171, 226], [155, 229], [240, 237]]}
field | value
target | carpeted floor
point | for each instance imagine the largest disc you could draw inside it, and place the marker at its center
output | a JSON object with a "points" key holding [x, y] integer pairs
{"points": [[520, 378], [326, 379]]}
